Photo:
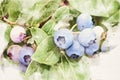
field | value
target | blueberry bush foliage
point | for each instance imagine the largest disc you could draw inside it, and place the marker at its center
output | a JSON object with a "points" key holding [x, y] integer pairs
{"points": [[41, 19]]}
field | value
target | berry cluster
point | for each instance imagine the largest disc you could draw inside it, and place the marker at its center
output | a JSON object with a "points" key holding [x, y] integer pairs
{"points": [[20, 55], [75, 44], [86, 41], [17, 53]]}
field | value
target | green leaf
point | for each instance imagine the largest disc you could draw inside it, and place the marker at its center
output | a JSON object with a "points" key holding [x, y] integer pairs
{"points": [[1, 8], [74, 12], [33, 66], [61, 12], [112, 7], [7, 33], [37, 35], [95, 7], [49, 27], [40, 11], [68, 71], [60, 18], [46, 52], [48, 9], [36, 73], [115, 18], [12, 8]]}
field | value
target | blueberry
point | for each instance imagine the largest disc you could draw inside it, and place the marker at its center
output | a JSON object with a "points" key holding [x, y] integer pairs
{"points": [[13, 52], [25, 55], [98, 30], [92, 49], [75, 50], [84, 21], [111, 41], [87, 37], [107, 46], [23, 67], [17, 34], [63, 38]]}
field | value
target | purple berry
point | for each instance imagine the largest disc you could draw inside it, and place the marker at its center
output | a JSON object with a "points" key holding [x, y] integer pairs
{"points": [[23, 67], [13, 52], [25, 55], [17, 34]]}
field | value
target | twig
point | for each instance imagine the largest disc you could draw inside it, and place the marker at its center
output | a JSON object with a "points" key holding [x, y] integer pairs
{"points": [[10, 22], [104, 35], [75, 32], [7, 21], [73, 27]]}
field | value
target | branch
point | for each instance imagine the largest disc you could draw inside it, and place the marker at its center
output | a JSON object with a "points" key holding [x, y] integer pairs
{"points": [[10, 22]]}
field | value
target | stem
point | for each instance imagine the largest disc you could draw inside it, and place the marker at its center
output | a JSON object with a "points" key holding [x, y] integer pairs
{"points": [[104, 35], [34, 46], [26, 38], [75, 32], [62, 52], [73, 27], [67, 59], [7, 21], [10, 22]]}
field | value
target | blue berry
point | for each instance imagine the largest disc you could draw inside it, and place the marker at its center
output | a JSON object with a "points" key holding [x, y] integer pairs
{"points": [[75, 50], [99, 31], [25, 55], [107, 46], [84, 21], [23, 67], [63, 38], [92, 49], [104, 47], [87, 37]]}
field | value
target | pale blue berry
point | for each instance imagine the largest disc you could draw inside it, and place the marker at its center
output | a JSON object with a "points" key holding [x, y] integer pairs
{"points": [[87, 37], [75, 50], [63, 38], [84, 21], [92, 49]]}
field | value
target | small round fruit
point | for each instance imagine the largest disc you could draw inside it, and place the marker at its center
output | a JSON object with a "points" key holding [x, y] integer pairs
{"points": [[63, 38], [23, 67], [87, 37], [107, 46], [13, 52], [75, 50], [84, 21], [92, 49], [98, 30], [17, 34], [111, 41], [25, 55]]}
